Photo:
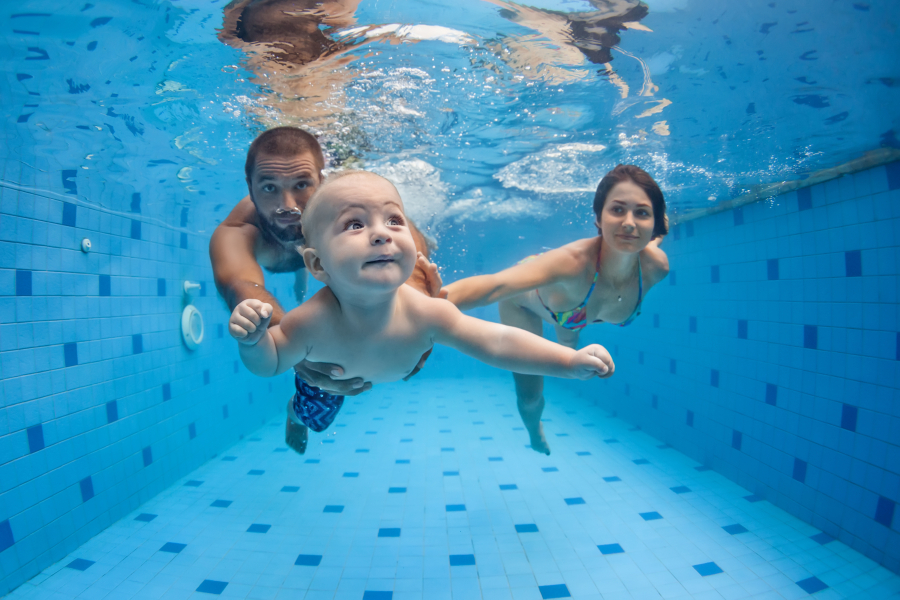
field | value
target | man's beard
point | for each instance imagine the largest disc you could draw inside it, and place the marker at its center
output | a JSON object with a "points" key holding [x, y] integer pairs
{"points": [[292, 235]]}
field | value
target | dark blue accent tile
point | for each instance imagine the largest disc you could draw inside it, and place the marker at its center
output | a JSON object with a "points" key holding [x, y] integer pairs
{"points": [[650, 516], [672, 278], [742, 329], [549, 469], [167, 391], [221, 503], [672, 368], [508, 486], [574, 501], [692, 324], [80, 564], [641, 461], [6, 535], [738, 216], [612, 479], [654, 401], [495, 458], [462, 560], [35, 438], [689, 229], [822, 538], [690, 418], [527, 528], [145, 517], [640, 357], [735, 529], [583, 453], [172, 547], [804, 199], [206, 377], [456, 507], [397, 490], [112, 411], [402, 461], [136, 202], [148, 456], [160, 287], [137, 343], [714, 274], [70, 353], [311, 461], [192, 430], [897, 356], [714, 377], [772, 269], [351, 474], [752, 498], [259, 528], [812, 585], [587, 424], [183, 241], [23, 118], [680, 489], [853, 263], [135, 229], [308, 560], [810, 336], [255, 472], [193, 483], [707, 569], [555, 591], [893, 175], [104, 285], [884, 511], [389, 532], [371, 595], [211, 586], [771, 394], [737, 439], [203, 288], [291, 488], [849, 414], [69, 214], [610, 549], [334, 508], [799, 470], [87, 488]]}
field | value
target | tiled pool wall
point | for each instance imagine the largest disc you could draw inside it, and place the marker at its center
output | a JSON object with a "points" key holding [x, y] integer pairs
{"points": [[102, 404], [772, 354]]}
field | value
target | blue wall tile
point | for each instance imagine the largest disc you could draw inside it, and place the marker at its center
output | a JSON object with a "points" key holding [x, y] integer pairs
{"points": [[148, 456], [804, 198], [853, 263], [771, 394], [884, 512], [799, 472], [135, 229], [742, 329], [848, 417], [69, 213], [160, 287], [105, 285], [736, 439], [810, 336], [772, 269], [714, 274], [35, 438], [87, 488], [137, 343], [6, 535], [112, 411], [23, 283], [70, 353]]}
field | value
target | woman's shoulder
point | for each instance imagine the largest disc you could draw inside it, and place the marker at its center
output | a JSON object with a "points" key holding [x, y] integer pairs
{"points": [[578, 253]]}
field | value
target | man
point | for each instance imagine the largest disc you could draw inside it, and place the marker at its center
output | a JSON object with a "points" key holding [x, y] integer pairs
{"points": [[283, 169]]}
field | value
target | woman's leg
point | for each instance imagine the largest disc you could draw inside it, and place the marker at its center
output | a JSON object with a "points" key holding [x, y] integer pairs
{"points": [[529, 388]]}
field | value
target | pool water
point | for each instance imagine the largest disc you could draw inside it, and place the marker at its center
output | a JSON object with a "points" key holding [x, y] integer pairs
{"points": [[747, 446]]}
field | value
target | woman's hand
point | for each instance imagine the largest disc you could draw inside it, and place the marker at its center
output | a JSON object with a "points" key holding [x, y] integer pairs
{"points": [[433, 281]]}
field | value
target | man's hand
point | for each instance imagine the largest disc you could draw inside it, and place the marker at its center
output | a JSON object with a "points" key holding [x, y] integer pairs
{"points": [[249, 321], [592, 361], [322, 376], [433, 281]]}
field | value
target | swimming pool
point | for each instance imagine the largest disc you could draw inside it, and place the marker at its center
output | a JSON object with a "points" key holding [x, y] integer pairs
{"points": [[747, 446]]}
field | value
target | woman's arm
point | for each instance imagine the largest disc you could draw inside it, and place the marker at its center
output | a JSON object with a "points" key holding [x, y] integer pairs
{"points": [[542, 270], [655, 262]]}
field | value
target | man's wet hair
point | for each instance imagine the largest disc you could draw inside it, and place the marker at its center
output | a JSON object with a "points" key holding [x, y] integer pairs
{"points": [[642, 179], [284, 141]]}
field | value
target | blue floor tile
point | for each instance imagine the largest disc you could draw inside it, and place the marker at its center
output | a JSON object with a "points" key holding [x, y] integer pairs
{"points": [[221, 503], [258, 528], [508, 486], [333, 508], [681, 489], [389, 532], [707, 569], [583, 453], [527, 528], [145, 517], [611, 479], [397, 490], [172, 547], [610, 548], [812, 585], [80, 564], [573, 501], [554, 591], [462, 560], [291, 488], [370, 595], [651, 516], [308, 560], [735, 529], [456, 507], [549, 469], [822, 538], [210, 586]]}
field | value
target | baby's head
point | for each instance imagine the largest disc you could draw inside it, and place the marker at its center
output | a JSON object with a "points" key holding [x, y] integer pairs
{"points": [[357, 235]]}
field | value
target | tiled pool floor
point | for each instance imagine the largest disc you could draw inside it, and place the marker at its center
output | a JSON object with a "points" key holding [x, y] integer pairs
{"points": [[426, 490]]}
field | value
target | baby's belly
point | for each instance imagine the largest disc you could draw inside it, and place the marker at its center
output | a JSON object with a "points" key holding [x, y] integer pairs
{"points": [[382, 365]]}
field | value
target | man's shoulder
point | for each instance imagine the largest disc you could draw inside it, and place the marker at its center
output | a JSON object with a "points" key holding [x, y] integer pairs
{"points": [[242, 215]]}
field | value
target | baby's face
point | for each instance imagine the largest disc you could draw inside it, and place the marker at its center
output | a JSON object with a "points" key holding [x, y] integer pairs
{"points": [[361, 235]]}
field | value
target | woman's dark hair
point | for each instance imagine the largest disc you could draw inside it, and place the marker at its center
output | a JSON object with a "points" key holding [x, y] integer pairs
{"points": [[284, 141], [640, 178]]}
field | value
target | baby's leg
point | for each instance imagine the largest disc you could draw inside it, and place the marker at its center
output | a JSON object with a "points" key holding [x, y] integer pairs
{"points": [[529, 388]]}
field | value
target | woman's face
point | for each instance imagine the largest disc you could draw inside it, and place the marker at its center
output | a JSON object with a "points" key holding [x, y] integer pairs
{"points": [[626, 221]]}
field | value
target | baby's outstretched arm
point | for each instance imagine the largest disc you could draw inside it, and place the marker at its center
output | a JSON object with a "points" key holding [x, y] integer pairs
{"points": [[515, 349], [265, 350]]}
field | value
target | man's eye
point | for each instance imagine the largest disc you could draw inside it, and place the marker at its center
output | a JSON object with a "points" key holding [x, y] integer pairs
{"points": [[268, 188], [302, 185]]}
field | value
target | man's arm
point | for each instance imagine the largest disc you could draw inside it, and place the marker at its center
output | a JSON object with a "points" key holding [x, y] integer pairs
{"points": [[232, 251]]}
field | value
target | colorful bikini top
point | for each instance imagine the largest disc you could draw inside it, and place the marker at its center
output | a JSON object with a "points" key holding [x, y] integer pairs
{"points": [[576, 318]]}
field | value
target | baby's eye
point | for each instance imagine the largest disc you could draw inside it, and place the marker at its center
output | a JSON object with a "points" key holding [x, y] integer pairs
{"points": [[268, 188], [353, 225], [395, 221]]}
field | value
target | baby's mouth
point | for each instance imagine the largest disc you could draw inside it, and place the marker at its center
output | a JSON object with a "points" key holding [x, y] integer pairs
{"points": [[384, 258]]}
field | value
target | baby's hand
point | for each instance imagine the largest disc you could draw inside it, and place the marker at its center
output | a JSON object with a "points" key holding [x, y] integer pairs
{"points": [[592, 361], [249, 321]]}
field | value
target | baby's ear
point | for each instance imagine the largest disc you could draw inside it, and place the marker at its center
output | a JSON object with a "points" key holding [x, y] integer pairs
{"points": [[313, 264]]}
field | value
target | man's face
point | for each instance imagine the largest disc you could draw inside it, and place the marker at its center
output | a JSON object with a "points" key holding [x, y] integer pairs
{"points": [[280, 187]]}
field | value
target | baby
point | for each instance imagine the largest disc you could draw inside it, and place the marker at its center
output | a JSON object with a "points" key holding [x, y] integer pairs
{"points": [[365, 319]]}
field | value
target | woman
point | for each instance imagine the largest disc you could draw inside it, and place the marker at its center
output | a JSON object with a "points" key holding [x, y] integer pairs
{"points": [[604, 278]]}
